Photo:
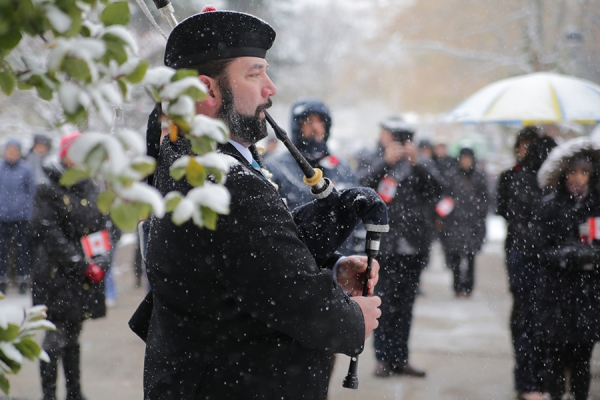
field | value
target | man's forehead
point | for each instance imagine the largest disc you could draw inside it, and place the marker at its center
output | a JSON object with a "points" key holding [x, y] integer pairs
{"points": [[246, 63]]}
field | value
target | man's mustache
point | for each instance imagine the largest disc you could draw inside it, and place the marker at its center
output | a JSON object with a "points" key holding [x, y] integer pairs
{"points": [[268, 104]]}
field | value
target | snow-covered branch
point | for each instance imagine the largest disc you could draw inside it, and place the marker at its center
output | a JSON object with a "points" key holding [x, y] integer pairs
{"points": [[88, 63]]}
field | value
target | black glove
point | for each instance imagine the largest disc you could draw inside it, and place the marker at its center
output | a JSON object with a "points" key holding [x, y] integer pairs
{"points": [[578, 256], [103, 261]]}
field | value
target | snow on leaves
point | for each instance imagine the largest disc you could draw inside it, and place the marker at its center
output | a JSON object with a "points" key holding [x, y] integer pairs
{"points": [[91, 64], [17, 342]]}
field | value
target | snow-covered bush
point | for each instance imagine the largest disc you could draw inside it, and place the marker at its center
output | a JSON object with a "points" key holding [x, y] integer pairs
{"points": [[88, 63], [17, 342]]}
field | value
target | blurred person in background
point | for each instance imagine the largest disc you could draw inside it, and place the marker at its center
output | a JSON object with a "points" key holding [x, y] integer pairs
{"points": [[408, 184], [463, 222], [310, 131], [72, 253], [17, 188], [426, 149], [270, 148], [518, 195], [569, 288], [37, 154]]}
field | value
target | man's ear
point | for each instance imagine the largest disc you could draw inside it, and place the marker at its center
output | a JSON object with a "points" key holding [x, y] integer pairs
{"points": [[214, 95]]}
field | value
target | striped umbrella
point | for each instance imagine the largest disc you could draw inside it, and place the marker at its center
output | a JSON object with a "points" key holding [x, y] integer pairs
{"points": [[538, 98]]}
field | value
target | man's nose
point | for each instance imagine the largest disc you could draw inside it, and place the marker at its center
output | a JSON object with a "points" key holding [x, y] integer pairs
{"points": [[269, 89]]}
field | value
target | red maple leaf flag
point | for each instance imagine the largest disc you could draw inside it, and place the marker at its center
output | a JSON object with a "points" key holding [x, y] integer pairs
{"points": [[96, 243]]}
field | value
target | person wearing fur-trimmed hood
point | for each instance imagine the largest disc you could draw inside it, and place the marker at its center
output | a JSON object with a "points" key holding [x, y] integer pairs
{"points": [[568, 250]]}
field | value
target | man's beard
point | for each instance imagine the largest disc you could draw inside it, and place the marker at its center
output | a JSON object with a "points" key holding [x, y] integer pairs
{"points": [[247, 128]]}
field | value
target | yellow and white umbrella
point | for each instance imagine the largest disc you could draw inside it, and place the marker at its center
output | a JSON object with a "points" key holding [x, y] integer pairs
{"points": [[538, 98]]}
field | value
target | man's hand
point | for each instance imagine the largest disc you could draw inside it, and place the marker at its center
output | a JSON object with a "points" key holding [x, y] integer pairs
{"points": [[394, 152], [351, 275], [371, 311], [411, 153]]}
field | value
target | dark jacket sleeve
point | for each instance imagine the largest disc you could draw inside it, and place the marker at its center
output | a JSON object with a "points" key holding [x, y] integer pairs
{"points": [[276, 280], [47, 222], [372, 171], [429, 181], [502, 196]]}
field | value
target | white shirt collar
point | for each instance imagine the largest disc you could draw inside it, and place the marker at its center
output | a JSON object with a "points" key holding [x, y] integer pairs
{"points": [[243, 151]]}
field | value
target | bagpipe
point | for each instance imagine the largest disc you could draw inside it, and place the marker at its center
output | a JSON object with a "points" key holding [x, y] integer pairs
{"points": [[330, 218]]}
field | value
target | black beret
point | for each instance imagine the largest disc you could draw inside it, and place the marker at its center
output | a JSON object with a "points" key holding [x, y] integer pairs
{"points": [[401, 130], [217, 35]]}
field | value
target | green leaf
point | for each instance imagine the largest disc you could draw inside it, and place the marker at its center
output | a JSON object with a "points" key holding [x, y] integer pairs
{"points": [[172, 200], [145, 210], [217, 174], [4, 384], [195, 173], [177, 173], [77, 117], [115, 49], [95, 158], [138, 73], [72, 176], [28, 348], [209, 218], [116, 14], [194, 93], [145, 168], [184, 73], [7, 82], [45, 91], [123, 86], [10, 39], [105, 201], [10, 333], [12, 364], [125, 216], [181, 123], [24, 85], [77, 68], [76, 22], [202, 145]]}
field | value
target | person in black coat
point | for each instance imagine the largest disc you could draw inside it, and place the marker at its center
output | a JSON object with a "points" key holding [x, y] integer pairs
{"points": [[569, 287], [65, 279], [463, 231], [310, 131], [243, 311], [409, 186], [518, 196]]}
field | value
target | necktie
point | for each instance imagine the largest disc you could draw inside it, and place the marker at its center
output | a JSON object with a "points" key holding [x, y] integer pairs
{"points": [[258, 168]]}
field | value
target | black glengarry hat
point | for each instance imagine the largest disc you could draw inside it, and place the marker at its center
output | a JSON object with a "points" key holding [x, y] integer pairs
{"points": [[217, 35]]}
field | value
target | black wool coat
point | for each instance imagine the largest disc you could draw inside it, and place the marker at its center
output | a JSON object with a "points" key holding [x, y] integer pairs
{"points": [[463, 229], [568, 294], [518, 196], [61, 216], [410, 211], [242, 311]]}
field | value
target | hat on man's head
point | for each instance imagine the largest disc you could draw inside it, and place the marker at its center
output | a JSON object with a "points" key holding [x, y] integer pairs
{"points": [[466, 152], [66, 141], [13, 143], [401, 130], [217, 35], [43, 139]]}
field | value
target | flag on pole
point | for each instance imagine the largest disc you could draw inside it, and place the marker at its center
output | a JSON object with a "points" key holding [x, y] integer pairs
{"points": [[96, 243]]}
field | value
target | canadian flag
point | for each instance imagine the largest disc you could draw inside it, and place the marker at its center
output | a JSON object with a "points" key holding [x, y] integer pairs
{"points": [[444, 206], [96, 243], [594, 228]]}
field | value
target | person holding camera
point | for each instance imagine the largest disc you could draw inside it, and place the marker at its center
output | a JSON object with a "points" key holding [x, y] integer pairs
{"points": [[71, 253], [409, 185], [567, 249]]}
